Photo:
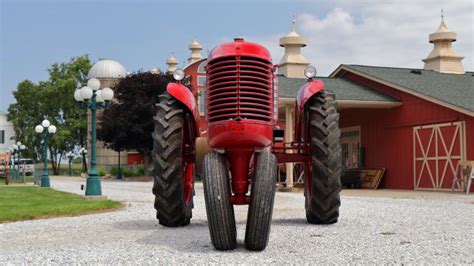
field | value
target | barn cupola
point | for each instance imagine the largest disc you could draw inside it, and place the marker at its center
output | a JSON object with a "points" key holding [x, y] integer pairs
{"points": [[195, 48], [172, 63], [443, 58], [293, 63]]}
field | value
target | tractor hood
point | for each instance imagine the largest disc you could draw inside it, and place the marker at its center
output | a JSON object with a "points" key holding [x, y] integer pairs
{"points": [[239, 47]]}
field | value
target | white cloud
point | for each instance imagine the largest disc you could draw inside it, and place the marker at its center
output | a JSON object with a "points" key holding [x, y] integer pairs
{"points": [[377, 33]]}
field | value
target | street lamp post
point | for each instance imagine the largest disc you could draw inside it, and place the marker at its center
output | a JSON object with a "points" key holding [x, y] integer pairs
{"points": [[21, 147], [18, 157], [13, 167], [50, 129], [7, 163], [119, 174], [94, 99], [83, 153], [70, 156]]}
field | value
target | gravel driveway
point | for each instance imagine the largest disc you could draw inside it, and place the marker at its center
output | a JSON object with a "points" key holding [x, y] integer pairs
{"points": [[371, 230]]}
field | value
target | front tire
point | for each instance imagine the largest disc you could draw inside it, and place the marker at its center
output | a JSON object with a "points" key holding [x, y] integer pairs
{"points": [[261, 202], [173, 202], [323, 185], [220, 211]]}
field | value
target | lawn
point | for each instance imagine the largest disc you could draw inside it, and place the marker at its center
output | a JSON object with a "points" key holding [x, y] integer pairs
{"points": [[28, 202]]}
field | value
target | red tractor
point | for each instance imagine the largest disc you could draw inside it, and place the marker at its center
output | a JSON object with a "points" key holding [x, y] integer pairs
{"points": [[240, 155]]}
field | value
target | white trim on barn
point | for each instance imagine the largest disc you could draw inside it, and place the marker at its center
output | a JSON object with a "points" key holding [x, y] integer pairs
{"points": [[444, 151], [344, 104]]}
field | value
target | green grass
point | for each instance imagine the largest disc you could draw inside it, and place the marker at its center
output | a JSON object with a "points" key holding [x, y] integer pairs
{"points": [[27, 203]]}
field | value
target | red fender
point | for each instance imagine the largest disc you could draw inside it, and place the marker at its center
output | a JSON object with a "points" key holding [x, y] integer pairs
{"points": [[186, 97], [310, 88]]}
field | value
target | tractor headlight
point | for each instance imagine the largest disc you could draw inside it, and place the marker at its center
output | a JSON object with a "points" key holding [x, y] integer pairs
{"points": [[310, 72], [178, 74]]}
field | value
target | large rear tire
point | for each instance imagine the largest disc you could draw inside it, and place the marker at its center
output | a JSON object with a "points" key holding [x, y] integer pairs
{"points": [[172, 176], [220, 211], [261, 202], [323, 185]]}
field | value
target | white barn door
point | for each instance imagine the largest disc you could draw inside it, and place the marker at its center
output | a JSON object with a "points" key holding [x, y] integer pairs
{"points": [[437, 150]]}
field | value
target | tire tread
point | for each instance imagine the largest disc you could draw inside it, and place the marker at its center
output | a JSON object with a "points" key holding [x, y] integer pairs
{"points": [[323, 207], [168, 187], [220, 212], [261, 203]]}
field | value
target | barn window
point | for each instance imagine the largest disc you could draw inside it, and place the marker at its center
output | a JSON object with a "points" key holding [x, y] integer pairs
{"points": [[201, 101], [201, 67], [350, 145]]}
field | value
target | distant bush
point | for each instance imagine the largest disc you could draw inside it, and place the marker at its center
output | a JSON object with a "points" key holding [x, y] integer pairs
{"points": [[77, 160], [101, 171], [76, 169], [128, 171], [141, 170], [113, 170]]}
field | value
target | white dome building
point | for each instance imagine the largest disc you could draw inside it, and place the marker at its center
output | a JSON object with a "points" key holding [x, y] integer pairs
{"points": [[108, 72]]}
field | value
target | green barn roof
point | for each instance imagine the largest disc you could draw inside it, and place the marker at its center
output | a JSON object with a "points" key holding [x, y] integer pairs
{"points": [[454, 89], [343, 89]]}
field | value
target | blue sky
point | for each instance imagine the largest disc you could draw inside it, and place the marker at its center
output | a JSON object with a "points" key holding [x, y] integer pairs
{"points": [[140, 34]]}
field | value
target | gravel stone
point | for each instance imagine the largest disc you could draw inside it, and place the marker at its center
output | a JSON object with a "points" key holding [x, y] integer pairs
{"points": [[371, 230]]}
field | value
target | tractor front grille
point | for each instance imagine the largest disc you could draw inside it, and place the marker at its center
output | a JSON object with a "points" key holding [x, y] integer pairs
{"points": [[239, 88]]}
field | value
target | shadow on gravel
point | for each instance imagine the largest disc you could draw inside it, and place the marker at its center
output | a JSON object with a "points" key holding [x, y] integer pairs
{"points": [[191, 238], [291, 222]]}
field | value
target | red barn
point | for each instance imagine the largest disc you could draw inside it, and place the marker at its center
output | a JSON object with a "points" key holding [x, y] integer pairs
{"points": [[421, 141], [198, 82], [418, 124]]}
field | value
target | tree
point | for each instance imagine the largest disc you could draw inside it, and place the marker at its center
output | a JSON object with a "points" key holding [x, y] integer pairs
{"points": [[52, 99], [128, 123], [70, 119]]}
